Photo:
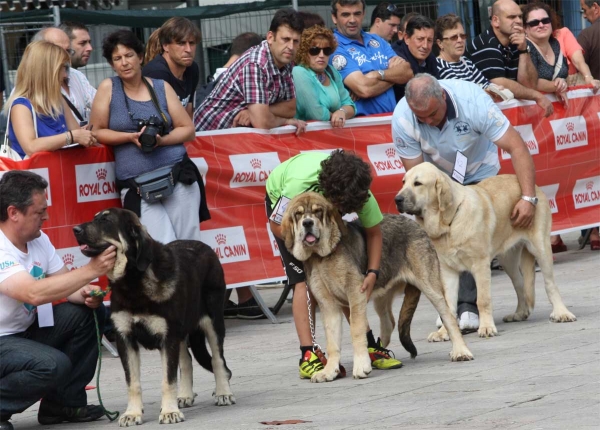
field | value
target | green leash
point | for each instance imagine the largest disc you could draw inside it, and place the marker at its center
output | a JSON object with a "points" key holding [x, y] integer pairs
{"points": [[110, 415]]}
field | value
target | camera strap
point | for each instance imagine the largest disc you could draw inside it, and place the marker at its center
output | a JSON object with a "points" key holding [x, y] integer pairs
{"points": [[152, 96]]}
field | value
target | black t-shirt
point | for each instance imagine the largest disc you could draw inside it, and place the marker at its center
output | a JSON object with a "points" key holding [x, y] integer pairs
{"points": [[158, 68]]}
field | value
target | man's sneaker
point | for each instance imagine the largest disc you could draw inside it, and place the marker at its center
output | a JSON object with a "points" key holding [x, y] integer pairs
{"points": [[249, 310], [52, 414], [438, 322], [309, 365], [468, 322], [382, 358], [231, 309]]}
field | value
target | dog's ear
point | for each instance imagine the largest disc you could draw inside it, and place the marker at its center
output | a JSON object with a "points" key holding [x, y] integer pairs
{"points": [[288, 228], [444, 194], [338, 226], [144, 249]]}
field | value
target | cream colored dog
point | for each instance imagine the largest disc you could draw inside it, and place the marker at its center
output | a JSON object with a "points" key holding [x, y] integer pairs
{"points": [[469, 226]]}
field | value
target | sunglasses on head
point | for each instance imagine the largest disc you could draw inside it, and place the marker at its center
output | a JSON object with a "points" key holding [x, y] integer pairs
{"points": [[315, 50], [454, 38], [536, 22], [391, 7]]}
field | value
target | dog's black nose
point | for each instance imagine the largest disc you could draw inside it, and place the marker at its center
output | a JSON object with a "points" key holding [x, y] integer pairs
{"points": [[307, 223], [77, 230], [399, 200]]}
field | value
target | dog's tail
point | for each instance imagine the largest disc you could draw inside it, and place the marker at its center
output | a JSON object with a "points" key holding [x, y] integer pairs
{"points": [[411, 299], [198, 346]]}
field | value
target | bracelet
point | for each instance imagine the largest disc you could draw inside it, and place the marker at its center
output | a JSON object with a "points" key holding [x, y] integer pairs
{"points": [[67, 138], [343, 110]]}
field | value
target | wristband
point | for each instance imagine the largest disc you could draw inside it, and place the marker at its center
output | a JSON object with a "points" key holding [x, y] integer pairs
{"points": [[375, 271]]}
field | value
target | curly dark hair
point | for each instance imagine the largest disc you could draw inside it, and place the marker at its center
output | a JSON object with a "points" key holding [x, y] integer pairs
{"points": [[121, 37], [530, 7], [345, 180], [307, 42]]}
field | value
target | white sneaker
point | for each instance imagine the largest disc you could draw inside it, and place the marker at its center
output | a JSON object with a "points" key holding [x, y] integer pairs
{"points": [[438, 322], [468, 322]]}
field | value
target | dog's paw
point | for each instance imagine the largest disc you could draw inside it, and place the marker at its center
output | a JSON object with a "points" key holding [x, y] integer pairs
{"points": [[462, 354], [325, 375], [438, 336], [516, 317], [186, 401], [564, 316], [362, 367], [487, 331], [129, 419], [170, 417], [224, 399]]}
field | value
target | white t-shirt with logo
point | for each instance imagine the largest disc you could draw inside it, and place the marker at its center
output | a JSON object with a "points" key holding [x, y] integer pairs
{"points": [[40, 260]]}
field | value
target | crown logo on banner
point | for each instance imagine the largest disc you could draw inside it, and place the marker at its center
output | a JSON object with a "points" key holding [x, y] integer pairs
{"points": [[570, 126], [255, 163], [589, 185], [221, 239], [68, 259], [101, 174], [390, 152]]}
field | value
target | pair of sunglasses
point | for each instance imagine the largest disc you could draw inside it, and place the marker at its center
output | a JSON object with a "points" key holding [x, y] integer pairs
{"points": [[454, 38], [315, 50], [536, 22]]}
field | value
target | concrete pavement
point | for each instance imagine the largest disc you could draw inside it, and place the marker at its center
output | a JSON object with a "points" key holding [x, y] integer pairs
{"points": [[534, 375]]}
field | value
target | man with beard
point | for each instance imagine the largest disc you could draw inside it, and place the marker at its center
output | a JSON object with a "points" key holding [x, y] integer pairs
{"points": [[258, 90], [416, 49], [502, 55], [178, 39]]}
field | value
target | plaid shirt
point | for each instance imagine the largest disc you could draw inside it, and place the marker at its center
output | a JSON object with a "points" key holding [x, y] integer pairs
{"points": [[252, 79]]}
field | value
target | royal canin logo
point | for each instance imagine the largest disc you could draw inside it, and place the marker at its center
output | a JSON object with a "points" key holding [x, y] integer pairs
{"points": [[390, 152], [570, 126], [221, 239], [255, 163], [68, 258], [589, 185], [101, 174]]}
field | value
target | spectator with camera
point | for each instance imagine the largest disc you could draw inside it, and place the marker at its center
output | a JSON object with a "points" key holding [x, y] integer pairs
{"points": [[145, 122]]}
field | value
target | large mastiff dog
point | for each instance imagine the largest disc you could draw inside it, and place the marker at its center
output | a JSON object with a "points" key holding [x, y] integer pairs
{"points": [[470, 225], [335, 260], [161, 296]]}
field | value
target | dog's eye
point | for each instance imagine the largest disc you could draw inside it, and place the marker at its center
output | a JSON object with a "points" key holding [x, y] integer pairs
{"points": [[417, 184], [319, 213]]}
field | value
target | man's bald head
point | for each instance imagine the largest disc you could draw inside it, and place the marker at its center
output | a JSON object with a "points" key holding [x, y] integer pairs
{"points": [[55, 36], [501, 7], [423, 87]]}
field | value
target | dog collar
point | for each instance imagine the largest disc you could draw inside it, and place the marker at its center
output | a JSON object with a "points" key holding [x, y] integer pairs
{"points": [[373, 271]]}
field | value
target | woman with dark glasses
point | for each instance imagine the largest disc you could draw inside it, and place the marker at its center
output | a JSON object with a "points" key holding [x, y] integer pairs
{"points": [[452, 64], [550, 41], [320, 91]]}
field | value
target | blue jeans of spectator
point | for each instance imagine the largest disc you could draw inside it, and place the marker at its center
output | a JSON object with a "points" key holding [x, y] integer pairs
{"points": [[53, 363]]}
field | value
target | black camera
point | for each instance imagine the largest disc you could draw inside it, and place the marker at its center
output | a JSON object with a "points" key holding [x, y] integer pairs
{"points": [[154, 125]]}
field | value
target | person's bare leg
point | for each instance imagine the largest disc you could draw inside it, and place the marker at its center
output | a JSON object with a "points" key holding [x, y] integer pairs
{"points": [[300, 312], [243, 294]]}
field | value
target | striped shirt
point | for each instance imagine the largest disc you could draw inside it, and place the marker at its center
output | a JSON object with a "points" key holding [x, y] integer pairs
{"points": [[252, 79], [464, 70], [492, 58]]}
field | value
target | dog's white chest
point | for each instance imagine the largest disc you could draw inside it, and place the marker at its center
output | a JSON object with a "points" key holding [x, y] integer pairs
{"points": [[124, 322]]}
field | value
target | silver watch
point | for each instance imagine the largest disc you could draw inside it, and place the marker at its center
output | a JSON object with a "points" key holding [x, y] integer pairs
{"points": [[532, 200], [381, 74]]}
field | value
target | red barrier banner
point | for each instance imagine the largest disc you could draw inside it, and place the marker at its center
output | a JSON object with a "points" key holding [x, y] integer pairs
{"points": [[236, 163]]}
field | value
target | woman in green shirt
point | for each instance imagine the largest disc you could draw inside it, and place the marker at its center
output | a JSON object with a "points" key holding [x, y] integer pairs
{"points": [[320, 91]]}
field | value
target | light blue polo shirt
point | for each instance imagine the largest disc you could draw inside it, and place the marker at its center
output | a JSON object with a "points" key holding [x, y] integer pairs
{"points": [[351, 56], [473, 123]]}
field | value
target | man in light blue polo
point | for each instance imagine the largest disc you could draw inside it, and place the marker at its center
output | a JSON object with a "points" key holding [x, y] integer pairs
{"points": [[455, 125], [367, 63]]}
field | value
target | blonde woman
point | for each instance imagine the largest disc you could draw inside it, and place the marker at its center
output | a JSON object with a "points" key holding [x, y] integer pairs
{"points": [[39, 118]]}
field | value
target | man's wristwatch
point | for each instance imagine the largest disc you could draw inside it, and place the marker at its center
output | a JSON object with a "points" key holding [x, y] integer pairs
{"points": [[532, 200], [376, 271], [381, 74], [525, 51]]}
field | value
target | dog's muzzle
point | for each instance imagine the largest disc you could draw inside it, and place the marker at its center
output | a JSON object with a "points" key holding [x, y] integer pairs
{"points": [[404, 206], [309, 237], [86, 248]]}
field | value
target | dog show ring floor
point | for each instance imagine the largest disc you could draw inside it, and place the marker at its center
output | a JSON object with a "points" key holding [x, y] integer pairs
{"points": [[534, 375]]}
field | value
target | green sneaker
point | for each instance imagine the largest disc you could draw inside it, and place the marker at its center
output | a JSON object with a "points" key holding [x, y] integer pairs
{"points": [[382, 358], [310, 365]]}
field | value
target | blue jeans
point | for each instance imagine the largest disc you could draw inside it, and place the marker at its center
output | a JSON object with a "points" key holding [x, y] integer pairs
{"points": [[53, 363]]}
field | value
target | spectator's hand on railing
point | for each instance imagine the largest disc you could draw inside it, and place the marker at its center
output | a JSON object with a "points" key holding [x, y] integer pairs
{"points": [[298, 123], [84, 137], [560, 85], [338, 118], [242, 119], [546, 105]]}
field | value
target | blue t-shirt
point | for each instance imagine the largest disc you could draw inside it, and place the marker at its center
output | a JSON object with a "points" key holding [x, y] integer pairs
{"points": [[473, 123], [46, 126], [351, 56]]}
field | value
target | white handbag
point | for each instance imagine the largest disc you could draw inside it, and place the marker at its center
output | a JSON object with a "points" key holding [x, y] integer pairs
{"points": [[5, 149]]}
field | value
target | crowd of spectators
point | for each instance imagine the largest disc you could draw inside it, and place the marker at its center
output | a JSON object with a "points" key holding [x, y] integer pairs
{"points": [[302, 71]]}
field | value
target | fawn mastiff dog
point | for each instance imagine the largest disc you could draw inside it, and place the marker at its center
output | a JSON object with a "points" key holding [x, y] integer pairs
{"points": [[161, 296], [470, 225], [335, 260]]}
